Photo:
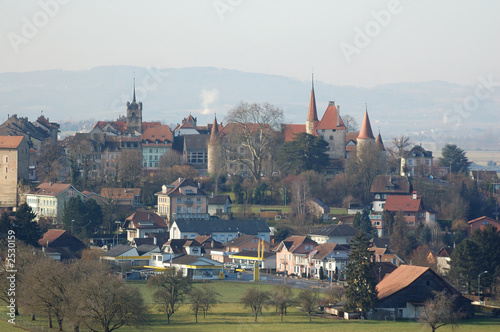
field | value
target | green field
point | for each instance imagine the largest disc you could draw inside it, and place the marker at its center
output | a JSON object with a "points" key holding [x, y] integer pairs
{"points": [[230, 314]]}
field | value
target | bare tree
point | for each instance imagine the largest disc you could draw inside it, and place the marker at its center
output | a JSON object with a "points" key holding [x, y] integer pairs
{"points": [[107, 303], [351, 125], [440, 311], [308, 301], [51, 161], [255, 299], [334, 295], [202, 298], [397, 150], [170, 288], [250, 135], [282, 298], [130, 168]]}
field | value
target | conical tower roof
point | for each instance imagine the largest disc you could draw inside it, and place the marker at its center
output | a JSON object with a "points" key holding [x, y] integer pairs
{"points": [[379, 142], [215, 130], [312, 115], [366, 129]]}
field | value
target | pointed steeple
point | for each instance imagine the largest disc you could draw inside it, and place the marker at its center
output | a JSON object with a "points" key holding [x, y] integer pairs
{"points": [[133, 100], [366, 128], [312, 115], [215, 130], [379, 142]]}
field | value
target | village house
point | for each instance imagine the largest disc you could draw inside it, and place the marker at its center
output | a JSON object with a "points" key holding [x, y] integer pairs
{"points": [[443, 259], [416, 162], [411, 206], [49, 199], [123, 196], [61, 243], [182, 200], [141, 223], [330, 259], [292, 255], [482, 222], [402, 293], [340, 234], [219, 204]]}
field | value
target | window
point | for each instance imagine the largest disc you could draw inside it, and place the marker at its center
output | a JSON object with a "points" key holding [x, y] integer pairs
{"points": [[199, 201], [394, 261], [178, 200]]}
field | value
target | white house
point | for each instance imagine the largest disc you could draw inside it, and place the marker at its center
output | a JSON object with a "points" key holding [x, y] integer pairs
{"points": [[220, 230], [141, 223], [332, 257]]}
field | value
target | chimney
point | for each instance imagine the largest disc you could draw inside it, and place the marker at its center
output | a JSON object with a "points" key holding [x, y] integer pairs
{"points": [[414, 195]]}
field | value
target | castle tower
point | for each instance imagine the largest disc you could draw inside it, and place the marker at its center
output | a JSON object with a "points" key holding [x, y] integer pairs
{"points": [[312, 115], [214, 150], [365, 136], [134, 116], [379, 143]]}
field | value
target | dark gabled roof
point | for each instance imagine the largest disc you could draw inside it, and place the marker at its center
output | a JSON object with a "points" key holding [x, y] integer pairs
{"points": [[219, 199], [445, 252], [294, 242], [390, 184], [205, 227], [118, 250], [190, 259], [144, 248], [178, 245], [335, 230], [144, 240], [381, 242], [196, 142], [418, 151]]}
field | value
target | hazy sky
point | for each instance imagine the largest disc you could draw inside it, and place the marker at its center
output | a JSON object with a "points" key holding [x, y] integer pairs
{"points": [[361, 43]]}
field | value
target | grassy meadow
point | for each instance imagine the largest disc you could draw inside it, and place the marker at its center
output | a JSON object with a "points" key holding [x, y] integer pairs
{"points": [[230, 314]]}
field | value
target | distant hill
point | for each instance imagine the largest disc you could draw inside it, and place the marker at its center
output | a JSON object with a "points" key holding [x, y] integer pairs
{"points": [[422, 110]]}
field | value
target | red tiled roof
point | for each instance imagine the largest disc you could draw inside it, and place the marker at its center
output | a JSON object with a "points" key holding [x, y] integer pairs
{"points": [[161, 133], [399, 279], [10, 142], [41, 119], [405, 203], [329, 119], [134, 220], [50, 236], [290, 130], [324, 249], [312, 114], [366, 129]]}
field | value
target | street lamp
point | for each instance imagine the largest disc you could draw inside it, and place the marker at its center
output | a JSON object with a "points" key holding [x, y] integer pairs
{"points": [[117, 222], [479, 286]]}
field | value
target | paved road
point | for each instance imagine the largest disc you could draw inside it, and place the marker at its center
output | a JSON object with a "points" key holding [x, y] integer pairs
{"points": [[247, 276]]}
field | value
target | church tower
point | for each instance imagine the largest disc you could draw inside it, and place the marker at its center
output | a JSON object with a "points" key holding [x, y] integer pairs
{"points": [[214, 150], [365, 137], [312, 115], [134, 116]]}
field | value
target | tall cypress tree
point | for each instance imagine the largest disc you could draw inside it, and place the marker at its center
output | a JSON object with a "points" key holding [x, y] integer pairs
{"points": [[361, 294]]}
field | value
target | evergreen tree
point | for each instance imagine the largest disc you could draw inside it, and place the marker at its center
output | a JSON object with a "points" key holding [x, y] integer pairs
{"points": [[363, 223], [361, 294], [400, 241], [454, 158], [488, 241], [304, 153], [82, 218], [27, 230], [465, 264], [5, 224]]}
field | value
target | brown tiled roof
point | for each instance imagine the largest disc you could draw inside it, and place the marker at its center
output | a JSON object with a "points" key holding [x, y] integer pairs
{"points": [[215, 130], [50, 236], [351, 136], [397, 184], [152, 219], [329, 119], [10, 142], [405, 203], [239, 240], [399, 279], [324, 249], [120, 193], [294, 243], [50, 189], [366, 128], [379, 142], [174, 188], [483, 218], [161, 133]]}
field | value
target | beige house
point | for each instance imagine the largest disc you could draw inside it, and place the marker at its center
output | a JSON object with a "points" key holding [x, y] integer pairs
{"points": [[14, 158], [48, 199], [182, 199]]}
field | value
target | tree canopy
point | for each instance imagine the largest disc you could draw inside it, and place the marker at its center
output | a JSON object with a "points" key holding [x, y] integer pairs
{"points": [[304, 153], [454, 158]]}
